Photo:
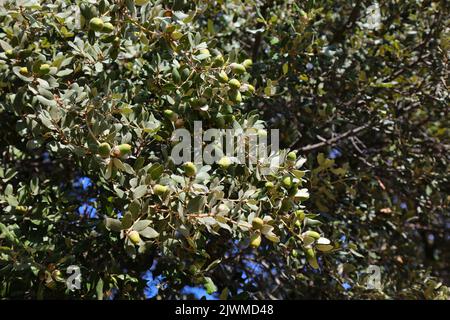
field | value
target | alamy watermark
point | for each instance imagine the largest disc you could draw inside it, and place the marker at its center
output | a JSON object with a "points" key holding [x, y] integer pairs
{"points": [[73, 282], [243, 146], [373, 281]]}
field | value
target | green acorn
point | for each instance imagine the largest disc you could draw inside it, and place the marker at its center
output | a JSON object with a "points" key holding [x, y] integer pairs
{"points": [[291, 156], [218, 61], [269, 185], [122, 150], [104, 150], [224, 162], [234, 83], [237, 68], [23, 71], [190, 169], [108, 27], [255, 240], [235, 96], [249, 88], [223, 76], [257, 223], [247, 63], [9, 53], [287, 182], [160, 190], [134, 237], [198, 102], [169, 114], [21, 209], [96, 24], [44, 68], [300, 214]]}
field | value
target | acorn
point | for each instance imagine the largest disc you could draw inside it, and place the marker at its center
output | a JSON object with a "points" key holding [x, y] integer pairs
{"points": [[23, 71], [169, 114], [190, 169], [223, 77], [108, 27], [235, 96], [269, 185], [234, 84], [237, 68], [96, 24], [257, 223], [122, 150], [198, 102], [291, 156], [300, 214], [218, 61], [44, 68], [224, 162], [247, 63], [287, 182], [160, 190], [104, 150], [9, 53], [21, 209], [255, 240], [249, 88], [134, 237]]}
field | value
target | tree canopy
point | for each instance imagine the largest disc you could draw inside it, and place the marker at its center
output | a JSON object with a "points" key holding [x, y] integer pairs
{"points": [[91, 93]]}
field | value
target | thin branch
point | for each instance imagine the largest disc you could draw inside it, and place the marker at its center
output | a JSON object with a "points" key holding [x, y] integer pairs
{"points": [[332, 141]]}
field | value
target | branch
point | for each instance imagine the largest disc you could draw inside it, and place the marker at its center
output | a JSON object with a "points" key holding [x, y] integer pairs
{"points": [[332, 141]]}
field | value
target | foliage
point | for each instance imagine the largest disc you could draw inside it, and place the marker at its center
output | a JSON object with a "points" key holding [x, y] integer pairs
{"points": [[96, 89]]}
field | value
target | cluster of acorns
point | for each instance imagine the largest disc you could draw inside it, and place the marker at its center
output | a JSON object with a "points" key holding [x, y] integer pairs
{"points": [[97, 24], [234, 94], [43, 70], [105, 150]]}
